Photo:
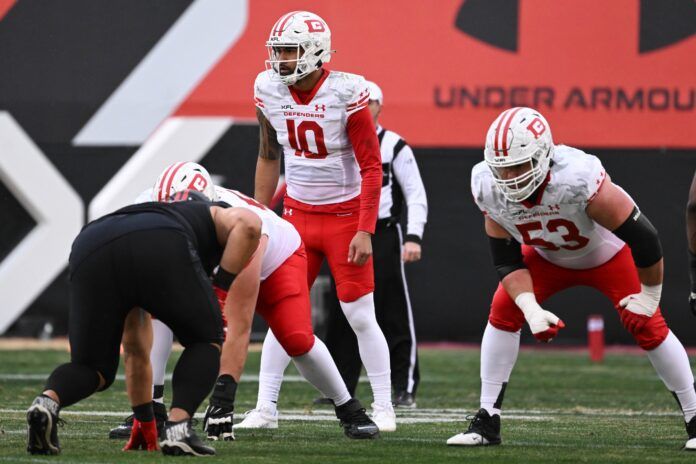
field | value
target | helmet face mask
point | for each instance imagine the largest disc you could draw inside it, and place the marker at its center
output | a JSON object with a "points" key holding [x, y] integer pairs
{"points": [[183, 176], [305, 32], [519, 140]]}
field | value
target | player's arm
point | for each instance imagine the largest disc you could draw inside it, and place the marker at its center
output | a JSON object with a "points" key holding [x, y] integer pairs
{"points": [[238, 231], [614, 210], [517, 281], [363, 138], [268, 162], [691, 240]]}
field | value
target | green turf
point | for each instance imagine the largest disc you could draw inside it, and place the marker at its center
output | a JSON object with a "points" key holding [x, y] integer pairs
{"points": [[561, 407]]}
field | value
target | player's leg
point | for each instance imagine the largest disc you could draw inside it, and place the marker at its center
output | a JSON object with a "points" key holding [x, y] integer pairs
{"points": [[355, 286], [617, 279], [97, 315], [285, 305], [500, 347], [159, 355]]}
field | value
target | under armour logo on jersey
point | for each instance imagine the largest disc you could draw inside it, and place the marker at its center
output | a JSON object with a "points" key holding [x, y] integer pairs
{"points": [[319, 107], [287, 211]]}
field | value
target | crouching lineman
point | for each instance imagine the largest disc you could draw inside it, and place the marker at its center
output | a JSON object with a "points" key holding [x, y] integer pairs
{"points": [[576, 228], [156, 256], [273, 284]]}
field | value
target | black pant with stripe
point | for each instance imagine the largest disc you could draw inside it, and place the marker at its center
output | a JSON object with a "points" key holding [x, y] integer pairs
{"points": [[394, 315]]}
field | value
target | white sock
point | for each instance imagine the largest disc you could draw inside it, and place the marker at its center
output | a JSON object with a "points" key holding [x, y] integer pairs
{"points": [[162, 339], [274, 361], [319, 368], [499, 351], [374, 351], [672, 365]]}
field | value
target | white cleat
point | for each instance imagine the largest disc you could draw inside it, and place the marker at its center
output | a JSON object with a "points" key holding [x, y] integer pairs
{"points": [[690, 445], [264, 417], [384, 417], [468, 439]]}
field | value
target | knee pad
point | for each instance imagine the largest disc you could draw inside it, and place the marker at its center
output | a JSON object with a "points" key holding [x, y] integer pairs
{"points": [[351, 291], [654, 332], [297, 343], [506, 325], [361, 320]]}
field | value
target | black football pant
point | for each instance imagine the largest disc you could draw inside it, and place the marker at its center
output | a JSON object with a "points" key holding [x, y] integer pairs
{"points": [[155, 269], [394, 316]]}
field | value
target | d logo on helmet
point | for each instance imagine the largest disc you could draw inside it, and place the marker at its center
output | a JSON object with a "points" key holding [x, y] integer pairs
{"points": [[315, 25]]}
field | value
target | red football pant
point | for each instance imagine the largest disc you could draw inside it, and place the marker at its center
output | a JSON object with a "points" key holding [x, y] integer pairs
{"points": [[284, 304], [616, 278], [329, 235]]}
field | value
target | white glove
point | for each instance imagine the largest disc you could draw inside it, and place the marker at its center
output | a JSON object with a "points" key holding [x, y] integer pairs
{"points": [[640, 307], [644, 303], [543, 324]]}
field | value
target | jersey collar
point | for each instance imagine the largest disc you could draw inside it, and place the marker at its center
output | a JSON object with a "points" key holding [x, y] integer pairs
{"points": [[538, 193], [303, 98]]}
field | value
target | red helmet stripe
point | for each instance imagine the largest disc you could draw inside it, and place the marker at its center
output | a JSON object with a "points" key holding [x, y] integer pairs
{"points": [[162, 181], [497, 130], [168, 179], [280, 25], [507, 126]]}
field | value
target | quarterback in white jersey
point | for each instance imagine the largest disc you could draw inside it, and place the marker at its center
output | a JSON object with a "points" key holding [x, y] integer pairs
{"points": [[319, 121], [555, 220], [272, 284]]}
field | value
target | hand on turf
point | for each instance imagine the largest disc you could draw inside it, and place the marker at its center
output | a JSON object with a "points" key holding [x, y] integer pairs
{"points": [[360, 248], [143, 436], [218, 423]]}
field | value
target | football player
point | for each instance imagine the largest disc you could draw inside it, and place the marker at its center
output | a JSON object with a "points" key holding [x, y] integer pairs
{"points": [[156, 256], [319, 120], [554, 220], [274, 285]]}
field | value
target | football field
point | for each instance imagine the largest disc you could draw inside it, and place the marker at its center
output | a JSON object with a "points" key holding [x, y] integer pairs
{"points": [[560, 407]]}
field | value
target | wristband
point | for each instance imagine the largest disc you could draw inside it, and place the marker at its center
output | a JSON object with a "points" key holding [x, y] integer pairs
{"points": [[223, 279]]}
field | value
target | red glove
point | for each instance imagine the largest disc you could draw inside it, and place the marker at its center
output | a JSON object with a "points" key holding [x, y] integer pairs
{"points": [[143, 436], [633, 322], [550, 333]]}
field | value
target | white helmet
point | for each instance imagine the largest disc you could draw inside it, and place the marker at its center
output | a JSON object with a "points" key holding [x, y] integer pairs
{"points": [[309, 34], [184, 175], [519, 136]]}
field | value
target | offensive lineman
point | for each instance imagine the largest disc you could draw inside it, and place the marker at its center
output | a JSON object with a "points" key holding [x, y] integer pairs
{"points": [[320, 121], [576, 228]]}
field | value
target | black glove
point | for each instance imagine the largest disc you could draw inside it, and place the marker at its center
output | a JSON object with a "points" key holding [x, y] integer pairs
{"points": [[218, 423]]}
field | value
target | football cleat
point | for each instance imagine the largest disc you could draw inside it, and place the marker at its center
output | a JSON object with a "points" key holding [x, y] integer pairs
{"points": [[42, 431], [383, 415], [179, 439], [483, 430], [263, 417], [405, 399], [218, 423], [123, 431], [356, 424], [691, 431]]}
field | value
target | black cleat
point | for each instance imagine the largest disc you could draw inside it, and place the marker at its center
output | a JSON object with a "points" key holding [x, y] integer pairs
{"points": [[483, 430], [356, 424], [179, 439], [404, 399], [43, 422], [691, 431], [123, 431]]}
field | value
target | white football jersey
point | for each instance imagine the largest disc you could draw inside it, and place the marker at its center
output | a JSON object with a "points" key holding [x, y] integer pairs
{"points": [[320, 164], [283, 239], [556, 225]]}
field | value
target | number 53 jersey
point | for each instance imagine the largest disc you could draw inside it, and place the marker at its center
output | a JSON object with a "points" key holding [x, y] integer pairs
{"points": [[320, 164], [555, 223]]}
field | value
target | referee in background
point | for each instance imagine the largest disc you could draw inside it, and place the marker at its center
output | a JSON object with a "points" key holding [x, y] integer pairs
{"points": [[401, 181]]}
